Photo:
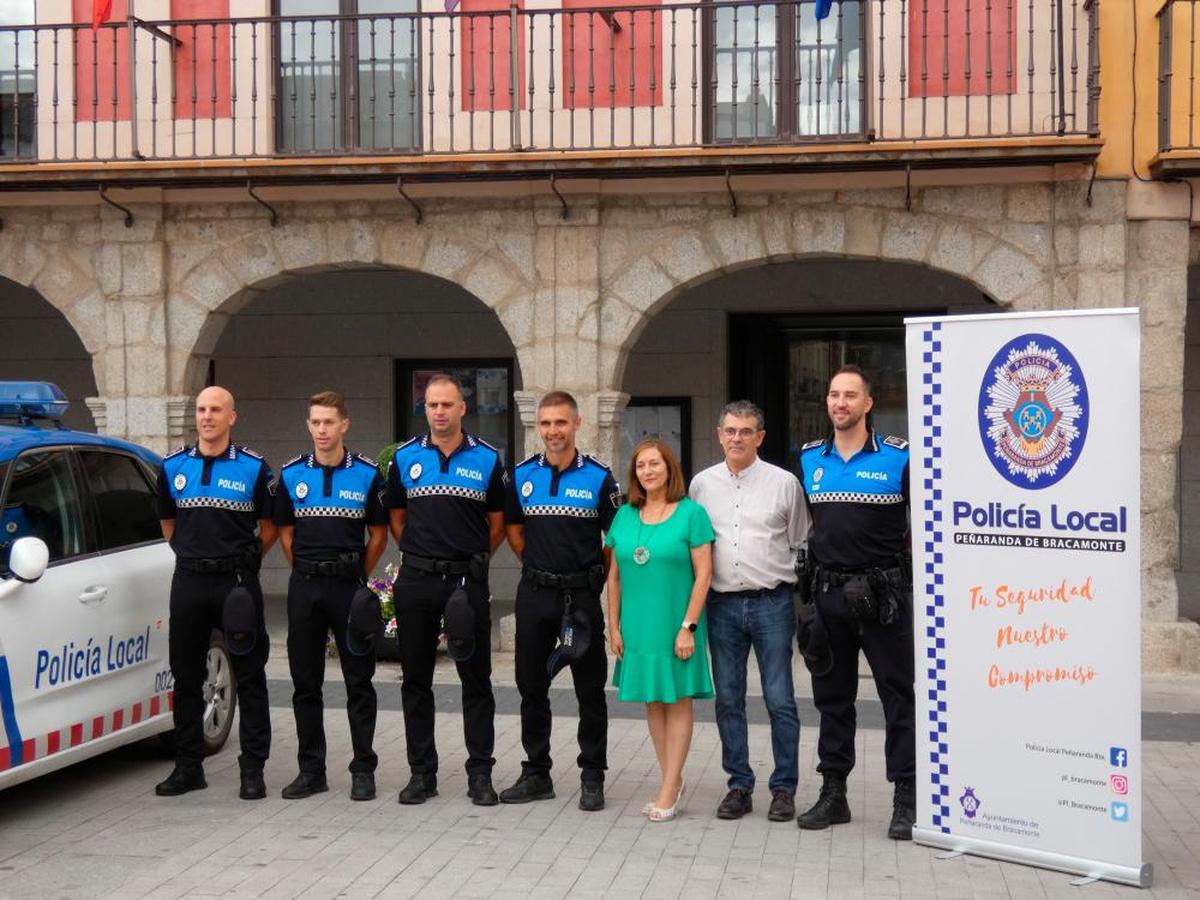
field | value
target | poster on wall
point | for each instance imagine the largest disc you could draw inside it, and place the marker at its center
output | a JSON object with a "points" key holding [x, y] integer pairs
{"points": [[1025, 484]]}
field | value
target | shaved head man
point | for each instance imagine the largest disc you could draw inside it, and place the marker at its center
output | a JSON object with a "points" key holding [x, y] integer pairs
{"points": [[214, 502]]}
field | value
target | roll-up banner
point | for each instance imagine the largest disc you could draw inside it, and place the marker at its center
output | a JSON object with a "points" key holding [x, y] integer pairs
{"points": [[1025, 489]]}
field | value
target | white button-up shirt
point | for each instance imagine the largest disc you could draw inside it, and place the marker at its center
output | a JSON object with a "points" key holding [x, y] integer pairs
{"points": [[761, 519]]}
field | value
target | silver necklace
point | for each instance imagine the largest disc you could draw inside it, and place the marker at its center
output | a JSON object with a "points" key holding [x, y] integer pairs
{"points": [[641, 553]]}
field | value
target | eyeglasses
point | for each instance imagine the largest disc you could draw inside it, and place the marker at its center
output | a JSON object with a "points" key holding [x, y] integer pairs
{"points": [[743, 433]]}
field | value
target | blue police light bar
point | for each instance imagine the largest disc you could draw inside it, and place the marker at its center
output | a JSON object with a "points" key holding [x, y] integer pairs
{"points": [[32, 399]]}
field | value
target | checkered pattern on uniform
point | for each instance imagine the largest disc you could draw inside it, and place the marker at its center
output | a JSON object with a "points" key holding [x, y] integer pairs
{"points": [[336, 512], [447, 490], [562, 511], [852, 497], [215, 503], [935, 598]]}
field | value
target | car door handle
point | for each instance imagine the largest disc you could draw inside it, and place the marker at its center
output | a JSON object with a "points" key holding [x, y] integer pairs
{"points": [[94, 594]]}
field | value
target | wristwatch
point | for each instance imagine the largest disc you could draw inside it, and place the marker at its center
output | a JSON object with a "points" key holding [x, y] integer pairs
{"points": [[690, 626]]}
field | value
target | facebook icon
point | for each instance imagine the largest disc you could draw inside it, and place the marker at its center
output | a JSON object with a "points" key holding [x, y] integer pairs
{"points": [[1118, 757]]}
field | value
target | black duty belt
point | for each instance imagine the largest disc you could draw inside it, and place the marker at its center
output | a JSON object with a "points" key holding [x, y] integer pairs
{"points": [[556, 581], [348, 565], [211, 566], [437, 566]]}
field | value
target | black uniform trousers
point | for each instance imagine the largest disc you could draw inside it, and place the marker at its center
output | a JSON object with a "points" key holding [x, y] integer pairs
{"points": [[539, 622], [889, 651], [197, 604], [420, 601], [316, 605]]}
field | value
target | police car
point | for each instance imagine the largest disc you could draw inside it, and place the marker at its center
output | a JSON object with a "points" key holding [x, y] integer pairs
{"points": [[85, 577]]}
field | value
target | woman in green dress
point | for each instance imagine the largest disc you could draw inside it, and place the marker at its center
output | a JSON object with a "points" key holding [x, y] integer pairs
{"points": [[662, 554]]}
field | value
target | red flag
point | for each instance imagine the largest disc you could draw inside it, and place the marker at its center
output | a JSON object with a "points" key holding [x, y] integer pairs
{"points": [[101, 11]]}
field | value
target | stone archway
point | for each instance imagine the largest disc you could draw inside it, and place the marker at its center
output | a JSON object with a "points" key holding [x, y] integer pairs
{"points": [[39, 343]]}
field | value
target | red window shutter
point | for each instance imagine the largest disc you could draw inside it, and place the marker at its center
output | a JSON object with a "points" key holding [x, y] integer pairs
{"points": [[486, 56], [597, 57], [203, 69], [945, 73], [101, 65]]}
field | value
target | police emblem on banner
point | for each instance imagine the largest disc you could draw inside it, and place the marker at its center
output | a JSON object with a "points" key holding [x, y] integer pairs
{"points": [[1033, 411]]}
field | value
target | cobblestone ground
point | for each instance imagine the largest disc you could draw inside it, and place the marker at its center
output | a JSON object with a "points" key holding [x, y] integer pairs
{"points": [[97, 830]]}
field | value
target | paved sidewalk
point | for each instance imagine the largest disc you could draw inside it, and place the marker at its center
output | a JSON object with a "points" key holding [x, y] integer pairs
{"points": [[97, 830]]}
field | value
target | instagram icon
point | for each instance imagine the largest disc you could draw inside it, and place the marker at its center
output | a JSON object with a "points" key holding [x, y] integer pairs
{"points": [[1119, 783]]}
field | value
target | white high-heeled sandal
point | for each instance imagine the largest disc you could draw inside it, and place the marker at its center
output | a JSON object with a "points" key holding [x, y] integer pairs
{"points": [[658, 814]]}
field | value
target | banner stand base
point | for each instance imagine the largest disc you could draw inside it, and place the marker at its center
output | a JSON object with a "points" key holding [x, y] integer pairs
{"points": [[1089, 869]]}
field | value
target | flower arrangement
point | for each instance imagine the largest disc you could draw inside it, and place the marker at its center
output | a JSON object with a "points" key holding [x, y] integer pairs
{"points": [[387, 604]]}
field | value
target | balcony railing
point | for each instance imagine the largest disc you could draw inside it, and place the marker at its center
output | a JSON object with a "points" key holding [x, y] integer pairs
{"points": [[634, 77], [1179, 63]]}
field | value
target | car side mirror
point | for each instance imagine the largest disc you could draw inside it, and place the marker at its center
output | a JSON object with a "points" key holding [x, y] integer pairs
{"points": [[28, 558]]}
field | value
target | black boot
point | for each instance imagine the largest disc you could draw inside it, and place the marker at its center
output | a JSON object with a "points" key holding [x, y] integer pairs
{"points": [[529, 787], [480, 790], [180, 781], [831, 807], [253, 787], [904, 810], [419, 789]]}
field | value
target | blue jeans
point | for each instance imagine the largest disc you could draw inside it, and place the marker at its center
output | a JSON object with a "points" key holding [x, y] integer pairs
{"points": [[735, 623]]}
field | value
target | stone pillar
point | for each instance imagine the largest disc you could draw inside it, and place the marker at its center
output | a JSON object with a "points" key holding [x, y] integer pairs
{"points": [[527, 409], [610, 407]]}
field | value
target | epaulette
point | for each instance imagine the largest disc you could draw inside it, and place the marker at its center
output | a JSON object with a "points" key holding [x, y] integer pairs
{"points": [[594, 461], [253, 453], [489, 446], [817, 443], [532, 457], [176, 452], [898, 443], [295, 459], [411, 440], [370, 462]]}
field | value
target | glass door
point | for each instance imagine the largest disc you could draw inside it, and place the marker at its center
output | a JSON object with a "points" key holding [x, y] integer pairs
{"points": [[348, 83]]}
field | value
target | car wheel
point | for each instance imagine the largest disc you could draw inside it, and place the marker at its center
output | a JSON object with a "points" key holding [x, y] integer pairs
{"points": [[220, 697]]}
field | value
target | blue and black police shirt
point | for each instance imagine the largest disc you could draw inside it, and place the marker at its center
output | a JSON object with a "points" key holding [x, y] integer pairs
{"points": [[446, 499], [216, 501], [563, 511], [329, 506], [860, 505]]}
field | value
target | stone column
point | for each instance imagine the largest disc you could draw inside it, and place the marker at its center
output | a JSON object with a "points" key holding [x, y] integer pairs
{"points": [[610, 407], [527, 409]]}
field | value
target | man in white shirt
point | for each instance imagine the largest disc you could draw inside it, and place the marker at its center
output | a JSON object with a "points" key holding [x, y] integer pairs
{"points": [[761, 518]]}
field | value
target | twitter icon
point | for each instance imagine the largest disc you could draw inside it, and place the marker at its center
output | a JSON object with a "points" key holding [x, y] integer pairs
{"points": [[1120, 811]]}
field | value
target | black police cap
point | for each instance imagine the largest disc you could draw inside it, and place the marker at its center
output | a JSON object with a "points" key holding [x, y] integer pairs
{"points": [[239, 621], [460, 626], [574, 637], [813, 641], [364, 623]]}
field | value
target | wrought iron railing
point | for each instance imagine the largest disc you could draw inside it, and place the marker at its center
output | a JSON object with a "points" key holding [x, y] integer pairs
{"points": [[1178, 65], [619, 77]]}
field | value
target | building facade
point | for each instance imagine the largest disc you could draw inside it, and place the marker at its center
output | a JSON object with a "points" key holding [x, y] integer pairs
{"points": [[658, 207]]}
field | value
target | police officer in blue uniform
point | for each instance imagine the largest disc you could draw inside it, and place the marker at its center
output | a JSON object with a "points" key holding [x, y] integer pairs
{"points": [[559, 504], [212, 496], [445, 496], [856, 483], [324, 502]]}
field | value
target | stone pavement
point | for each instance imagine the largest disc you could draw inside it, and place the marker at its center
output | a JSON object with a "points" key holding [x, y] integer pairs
{"points": [[97, 830]]}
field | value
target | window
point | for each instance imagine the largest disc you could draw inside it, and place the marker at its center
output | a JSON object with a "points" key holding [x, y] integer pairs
{"points": [[42, 502], [488, 386], [348, 84], [125, 501], [17, 79], [669, 418], [777, 71]]}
